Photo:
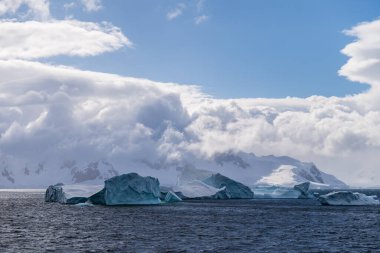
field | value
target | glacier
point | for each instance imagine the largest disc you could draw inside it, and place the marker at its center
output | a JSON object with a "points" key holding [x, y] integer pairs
{"points": [[347, 198]]}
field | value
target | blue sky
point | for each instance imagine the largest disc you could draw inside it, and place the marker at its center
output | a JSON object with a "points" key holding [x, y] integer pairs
{"points": [[247, 48]]}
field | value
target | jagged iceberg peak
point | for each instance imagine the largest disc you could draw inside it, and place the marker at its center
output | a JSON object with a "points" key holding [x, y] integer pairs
{"points": [[348, 198]]}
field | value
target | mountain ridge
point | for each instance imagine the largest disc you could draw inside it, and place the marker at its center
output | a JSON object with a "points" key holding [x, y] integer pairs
{"points": [[243, 167]]}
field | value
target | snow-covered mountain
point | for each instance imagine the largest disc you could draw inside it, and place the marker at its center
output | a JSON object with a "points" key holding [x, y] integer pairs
{"points": [[269, 170], [243, 167]]}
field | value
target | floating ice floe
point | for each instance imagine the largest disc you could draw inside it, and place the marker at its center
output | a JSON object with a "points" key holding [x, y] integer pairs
{"points": [[347, 198]]}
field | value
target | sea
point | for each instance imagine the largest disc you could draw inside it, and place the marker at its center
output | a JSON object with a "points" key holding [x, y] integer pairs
{"points": [[28, 224]]}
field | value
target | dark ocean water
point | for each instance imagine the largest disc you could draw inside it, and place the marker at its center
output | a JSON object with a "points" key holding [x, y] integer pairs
{"points": [[30, 225]]}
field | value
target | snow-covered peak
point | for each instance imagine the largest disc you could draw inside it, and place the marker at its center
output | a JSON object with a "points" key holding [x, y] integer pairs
{"points": [[290, 175]]}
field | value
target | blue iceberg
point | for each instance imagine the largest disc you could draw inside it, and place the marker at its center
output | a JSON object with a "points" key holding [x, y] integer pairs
{"points": [[232, 189], [130, 189]]}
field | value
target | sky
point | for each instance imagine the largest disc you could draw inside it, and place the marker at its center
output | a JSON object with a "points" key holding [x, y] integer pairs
{"points": [[241, 48], [167, 80]]}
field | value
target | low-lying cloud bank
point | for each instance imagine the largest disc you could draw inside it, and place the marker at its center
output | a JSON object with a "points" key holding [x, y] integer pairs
{"points": [[59, 113]]}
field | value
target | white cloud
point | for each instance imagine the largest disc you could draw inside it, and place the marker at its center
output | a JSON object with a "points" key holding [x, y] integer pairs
{"points": [[200, 19], [82, 115], [92, 5], [176, 12], [56, 112], [38, 9], [33, 39], [363, 65]]}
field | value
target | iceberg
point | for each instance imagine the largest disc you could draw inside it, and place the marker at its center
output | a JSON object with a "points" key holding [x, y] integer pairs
{"points": [[70, 194], [129, 189], [196, 189], [54, 193], [98, 198], [347, 198], [172, 197], [232, 188]]}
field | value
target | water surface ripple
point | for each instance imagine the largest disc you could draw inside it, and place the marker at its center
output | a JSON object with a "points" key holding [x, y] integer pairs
{"points": [[30, 225]]}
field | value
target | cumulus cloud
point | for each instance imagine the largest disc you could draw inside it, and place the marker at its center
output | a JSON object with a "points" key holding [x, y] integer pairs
{"points": [[34, 39], [36, 8], [176, 12], [59, 113]]}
